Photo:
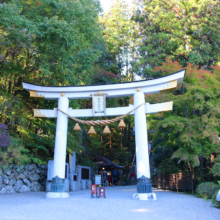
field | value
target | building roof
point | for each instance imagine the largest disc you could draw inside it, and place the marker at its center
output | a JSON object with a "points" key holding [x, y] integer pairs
{"points": [[103, 161]]}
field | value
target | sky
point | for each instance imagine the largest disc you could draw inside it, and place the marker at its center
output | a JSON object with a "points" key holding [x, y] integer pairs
{"points": [[106, 4]]}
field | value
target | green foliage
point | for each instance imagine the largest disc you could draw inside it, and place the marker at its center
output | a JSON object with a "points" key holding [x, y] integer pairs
{"points": [[122, 37], [185, 31], [216, 167], [161, 160], [4, 135], [207, 189], [15, 153], [123, 178], [49, 43], [215, 203], [32, 33], [175, 34], [37, 135], [189, 134]]}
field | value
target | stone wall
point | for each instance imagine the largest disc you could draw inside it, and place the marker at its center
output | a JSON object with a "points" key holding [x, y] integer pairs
{"points": [[24, 178]]}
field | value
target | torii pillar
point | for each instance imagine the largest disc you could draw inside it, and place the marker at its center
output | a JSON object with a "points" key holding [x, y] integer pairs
{"points": [[142, 155], [61, 138]]}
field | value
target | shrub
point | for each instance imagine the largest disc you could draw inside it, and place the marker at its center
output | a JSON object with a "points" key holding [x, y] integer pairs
{"points": [[4, 135], [123, 177], [215, 203], [216, 168], [207, 189]]}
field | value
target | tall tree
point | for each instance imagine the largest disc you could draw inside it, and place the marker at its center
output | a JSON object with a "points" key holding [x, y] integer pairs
{"points": [[192, 128], [186, 31], [50, 43], [122, 39]]}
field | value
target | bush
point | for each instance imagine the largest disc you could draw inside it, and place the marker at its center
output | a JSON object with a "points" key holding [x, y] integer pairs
{"points": [[207, 190], [215, 203], [123, 177], [216, 168]]}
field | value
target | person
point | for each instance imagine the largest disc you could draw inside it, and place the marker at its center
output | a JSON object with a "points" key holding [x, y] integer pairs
{"points": [[115, 176], [114, 181], [109, 179], [132, 176]]}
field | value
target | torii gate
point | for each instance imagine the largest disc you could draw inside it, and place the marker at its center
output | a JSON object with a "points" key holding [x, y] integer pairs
{"points": [[138, 89]]}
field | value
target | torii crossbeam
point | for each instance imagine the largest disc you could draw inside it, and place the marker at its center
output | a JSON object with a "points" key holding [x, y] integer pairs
{"points": [[138, 89]]}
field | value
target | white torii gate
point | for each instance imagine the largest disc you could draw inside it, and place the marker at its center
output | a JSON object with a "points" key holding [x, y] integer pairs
{"points": [[138, 89]]}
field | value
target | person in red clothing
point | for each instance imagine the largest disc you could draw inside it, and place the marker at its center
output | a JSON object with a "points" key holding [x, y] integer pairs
{"points": [[109, 179], [132, 176]]}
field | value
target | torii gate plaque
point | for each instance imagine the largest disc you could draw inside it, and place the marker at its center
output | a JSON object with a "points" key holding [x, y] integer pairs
{"points": [[138, 89]]}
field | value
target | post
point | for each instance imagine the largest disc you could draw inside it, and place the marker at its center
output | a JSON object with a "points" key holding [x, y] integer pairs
{"points": [[61, 138], [72, 162], [58, 181], [142, 155], [144, 189]]}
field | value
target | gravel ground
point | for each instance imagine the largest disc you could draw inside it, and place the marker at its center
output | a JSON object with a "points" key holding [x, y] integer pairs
{"points": [[118, 205]]}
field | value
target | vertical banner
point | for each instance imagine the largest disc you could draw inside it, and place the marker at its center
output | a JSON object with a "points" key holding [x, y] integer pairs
{"points": [[99, 103]]}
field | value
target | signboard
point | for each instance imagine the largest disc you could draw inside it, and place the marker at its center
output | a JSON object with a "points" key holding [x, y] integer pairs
{"points": [[99, 103], [101, 192], [98, 179], [94, 190]]}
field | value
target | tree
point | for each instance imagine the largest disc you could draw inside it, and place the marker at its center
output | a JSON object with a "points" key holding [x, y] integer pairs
{"points": [[48, 43], [192, 128], [186, 31], [121, 35], [216, 167]]}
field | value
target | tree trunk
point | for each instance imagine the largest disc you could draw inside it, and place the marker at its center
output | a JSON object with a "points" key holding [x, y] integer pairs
{"points": [[192, 175], [119, 67], [121, 137], [132, 72], [9, 86], [129, 132], [101, 138], [16, 85], [201, 159]]}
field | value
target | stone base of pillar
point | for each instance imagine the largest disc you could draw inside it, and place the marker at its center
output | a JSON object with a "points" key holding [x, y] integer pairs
{"points": [[57, 195], [83, 184], [67, 185], [145, 196], [58, 185], [48, 185], [144, 185], [74, 185], [88, 184]]}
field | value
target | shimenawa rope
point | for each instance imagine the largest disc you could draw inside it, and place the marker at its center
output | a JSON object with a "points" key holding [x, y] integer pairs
{"points": [[102, 122]]}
